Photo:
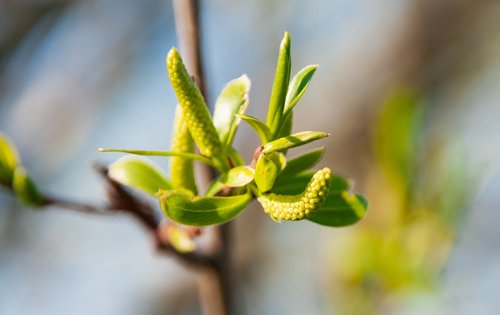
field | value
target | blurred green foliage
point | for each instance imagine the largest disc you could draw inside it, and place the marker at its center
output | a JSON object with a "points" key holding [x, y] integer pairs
{"points": [[419, 190]]}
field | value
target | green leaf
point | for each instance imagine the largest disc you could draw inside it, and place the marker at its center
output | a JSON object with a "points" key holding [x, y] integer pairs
{"points": [[292, 185], [259, 126], [9, 159], [232, 100], [280, 85], [265, 173], [292, 141], [278, 159], [398, 133], [303, 162], [298, 86], [238, 176], [191, 156], [286, 127], [25, 189], [183, 208], [340, 209], [139, 173]]}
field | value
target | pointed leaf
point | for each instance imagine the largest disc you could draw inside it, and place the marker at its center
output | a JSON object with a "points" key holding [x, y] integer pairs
{"points": [[9, 159], [191, 156], [292, 141], [265, 173], [303, 162], [139, 173], [280, 85], [286, 127], [183, 208], [238, 176], [259, 126], [232, 100], [298, 86], [292, 185], [340, 209], [25, 189]]}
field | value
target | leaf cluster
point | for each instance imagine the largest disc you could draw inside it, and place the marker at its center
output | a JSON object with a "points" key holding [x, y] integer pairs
{"points": [[272, 178]]}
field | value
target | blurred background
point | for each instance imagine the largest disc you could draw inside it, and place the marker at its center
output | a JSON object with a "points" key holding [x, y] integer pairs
{"points": [[409, 91]]}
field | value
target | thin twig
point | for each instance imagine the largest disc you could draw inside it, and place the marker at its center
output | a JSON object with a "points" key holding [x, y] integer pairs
{"points": [[76, 206]]}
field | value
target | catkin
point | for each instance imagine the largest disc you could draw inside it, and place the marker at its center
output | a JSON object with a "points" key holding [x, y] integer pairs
{"points": [[193, 106], [298, 207], [182, 169]]}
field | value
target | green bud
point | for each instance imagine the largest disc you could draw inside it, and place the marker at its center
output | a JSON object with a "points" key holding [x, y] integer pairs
{"points": [[193, 106], [298, 207], [25, 189], [9, 159], [182, 169]]}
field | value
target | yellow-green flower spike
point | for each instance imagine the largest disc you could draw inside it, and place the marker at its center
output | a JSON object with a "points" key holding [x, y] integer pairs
{"points": [[193, 106], [181, 169], [298, 207]]}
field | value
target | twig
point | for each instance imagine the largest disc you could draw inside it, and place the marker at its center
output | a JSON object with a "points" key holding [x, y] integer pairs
{"points": [[121, 201], [214, 283], [76, 206]]}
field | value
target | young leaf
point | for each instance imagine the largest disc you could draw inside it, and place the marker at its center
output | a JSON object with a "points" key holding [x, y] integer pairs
{"points": [[139, 173], [296, 184], [340, 209], [181, 207], [232, 100], [265, 173], [303, 162], [298, 86], [280, 85], [9, 159], [278, 159], [238, 176], [190, 156], [286, 127], [25, 189], [292, 141], [259, 126]]}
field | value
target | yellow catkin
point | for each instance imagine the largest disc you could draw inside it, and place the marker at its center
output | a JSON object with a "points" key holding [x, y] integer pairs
{"points": [[298, 207], [182, 169], [195, 111]]}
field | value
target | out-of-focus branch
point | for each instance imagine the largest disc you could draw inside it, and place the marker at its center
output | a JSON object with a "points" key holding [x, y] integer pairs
{"points": [[121, 201], [214, 283]]}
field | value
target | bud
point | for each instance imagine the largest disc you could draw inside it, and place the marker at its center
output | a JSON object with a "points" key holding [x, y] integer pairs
{"points": [[181, 169], [25, 189], [298, 207], [193, 106]]}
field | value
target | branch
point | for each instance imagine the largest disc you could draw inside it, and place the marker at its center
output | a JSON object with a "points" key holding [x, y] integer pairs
{"points": [[214, 285]]}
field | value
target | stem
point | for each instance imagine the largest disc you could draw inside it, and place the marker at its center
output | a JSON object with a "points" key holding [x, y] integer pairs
{"points": [[213, 283]]}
